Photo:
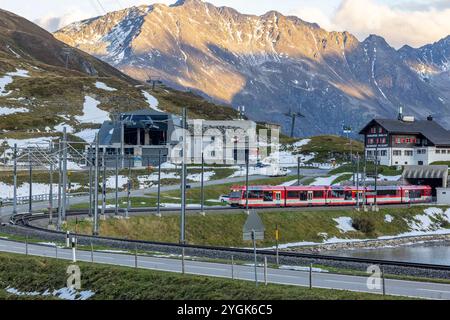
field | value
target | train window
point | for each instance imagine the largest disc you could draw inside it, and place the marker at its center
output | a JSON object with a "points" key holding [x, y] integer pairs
{"points": [[318, 194], [337, 193], [292, 194], [236, 194], [348, 195], [303, 195], [254, 194], [414, 194], [268, 196], [387, 192]]}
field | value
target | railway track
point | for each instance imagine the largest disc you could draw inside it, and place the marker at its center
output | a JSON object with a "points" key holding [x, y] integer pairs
{"points": [[25, 219]]}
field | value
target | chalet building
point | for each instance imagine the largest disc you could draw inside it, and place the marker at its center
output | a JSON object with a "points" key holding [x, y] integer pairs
{"points": [[406, 141]]}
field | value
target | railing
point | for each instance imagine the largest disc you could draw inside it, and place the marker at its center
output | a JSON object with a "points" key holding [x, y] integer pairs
{"points": [[40, 198]]}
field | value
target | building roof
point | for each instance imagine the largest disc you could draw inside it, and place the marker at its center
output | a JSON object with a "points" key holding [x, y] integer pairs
{"points": [[428, 128], [425, 172]]}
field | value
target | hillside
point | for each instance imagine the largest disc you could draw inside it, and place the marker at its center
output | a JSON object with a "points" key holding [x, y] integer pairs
{"points": [[271, 64], [39, 95]]}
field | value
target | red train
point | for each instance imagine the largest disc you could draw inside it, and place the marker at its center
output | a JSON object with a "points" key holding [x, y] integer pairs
{"points": [[308, 196]]}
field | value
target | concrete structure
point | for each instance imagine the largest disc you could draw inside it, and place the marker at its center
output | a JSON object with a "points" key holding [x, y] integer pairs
{"points": [[443, 196], [140, 136], [433, 176], [406, 141]]}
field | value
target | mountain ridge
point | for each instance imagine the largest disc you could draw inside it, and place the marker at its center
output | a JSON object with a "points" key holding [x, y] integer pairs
{"points": [[272, 64]]}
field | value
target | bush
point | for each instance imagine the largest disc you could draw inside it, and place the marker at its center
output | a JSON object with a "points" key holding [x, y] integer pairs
{"points": [[363, 224]]}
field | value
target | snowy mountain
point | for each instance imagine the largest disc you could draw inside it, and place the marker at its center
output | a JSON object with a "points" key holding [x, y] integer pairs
{"points": [[271, 63], [46, 85]]}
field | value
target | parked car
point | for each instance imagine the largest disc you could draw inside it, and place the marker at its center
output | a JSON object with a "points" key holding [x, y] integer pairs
{"points": [[225, 198]]}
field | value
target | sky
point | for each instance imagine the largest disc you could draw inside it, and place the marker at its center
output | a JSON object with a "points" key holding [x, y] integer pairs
{"points": [[412, 22]]}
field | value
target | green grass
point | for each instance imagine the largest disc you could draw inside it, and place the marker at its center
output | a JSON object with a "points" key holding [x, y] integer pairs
{"points": [[370, 169], [121, 283], [344, 177], [441, 163], [329, 146], [226, 229], [212, 192]]}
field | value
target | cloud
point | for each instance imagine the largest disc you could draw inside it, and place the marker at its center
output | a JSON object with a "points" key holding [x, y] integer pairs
{"points": [[52, 22], [416, 24], [314, 15]]}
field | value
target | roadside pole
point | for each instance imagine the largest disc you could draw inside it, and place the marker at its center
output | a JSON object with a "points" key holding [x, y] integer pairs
{"points": [[383, 281], [256, 260], [232, 267], [74, 253], [159, 186], [298, 171], [92, 252], [246, 182], [265, 271], [15, 181], [310, 275], [277, 237]]}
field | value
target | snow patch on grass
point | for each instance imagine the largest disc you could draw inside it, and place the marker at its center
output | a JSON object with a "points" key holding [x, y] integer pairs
{"points": [[153, 103], [344, 224], [91, 112], [104, 86]]}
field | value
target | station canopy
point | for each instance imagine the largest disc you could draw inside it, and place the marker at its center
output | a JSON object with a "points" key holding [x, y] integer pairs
{"points": [[425, 172]]}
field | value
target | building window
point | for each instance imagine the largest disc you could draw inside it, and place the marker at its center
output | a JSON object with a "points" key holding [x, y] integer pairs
{"points": [[383, 153], [409, 153], [213, 138], [438, 151], [369, 153], [421, 151], [397, 153], [213, 153], [373, 130], [380, 130]]}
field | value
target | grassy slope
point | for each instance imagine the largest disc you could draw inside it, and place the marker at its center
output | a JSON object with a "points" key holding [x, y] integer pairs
{"points": [[329, 146], [226, 229], [120, 283], [193, 195], [82, 178]]}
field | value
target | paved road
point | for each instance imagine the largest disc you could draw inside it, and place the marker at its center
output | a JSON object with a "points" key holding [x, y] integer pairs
{"points": [[242, 272], [37, 206]]}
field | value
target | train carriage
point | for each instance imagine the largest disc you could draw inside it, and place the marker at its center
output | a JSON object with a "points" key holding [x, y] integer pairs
{"points": [[305, 196], [258, 196], [343, 196], [384, 195], [416, 194]]}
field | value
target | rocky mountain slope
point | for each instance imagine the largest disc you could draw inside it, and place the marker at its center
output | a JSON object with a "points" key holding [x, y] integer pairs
{"points": [[46, 85], [271, 64]]}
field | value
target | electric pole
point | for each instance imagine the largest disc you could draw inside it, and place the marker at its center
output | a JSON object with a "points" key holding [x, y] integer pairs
{"points": [[183, 181], [293, 116], [15, 181], [50, 203], [30, 181], [64, 172], [95, 231]]}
